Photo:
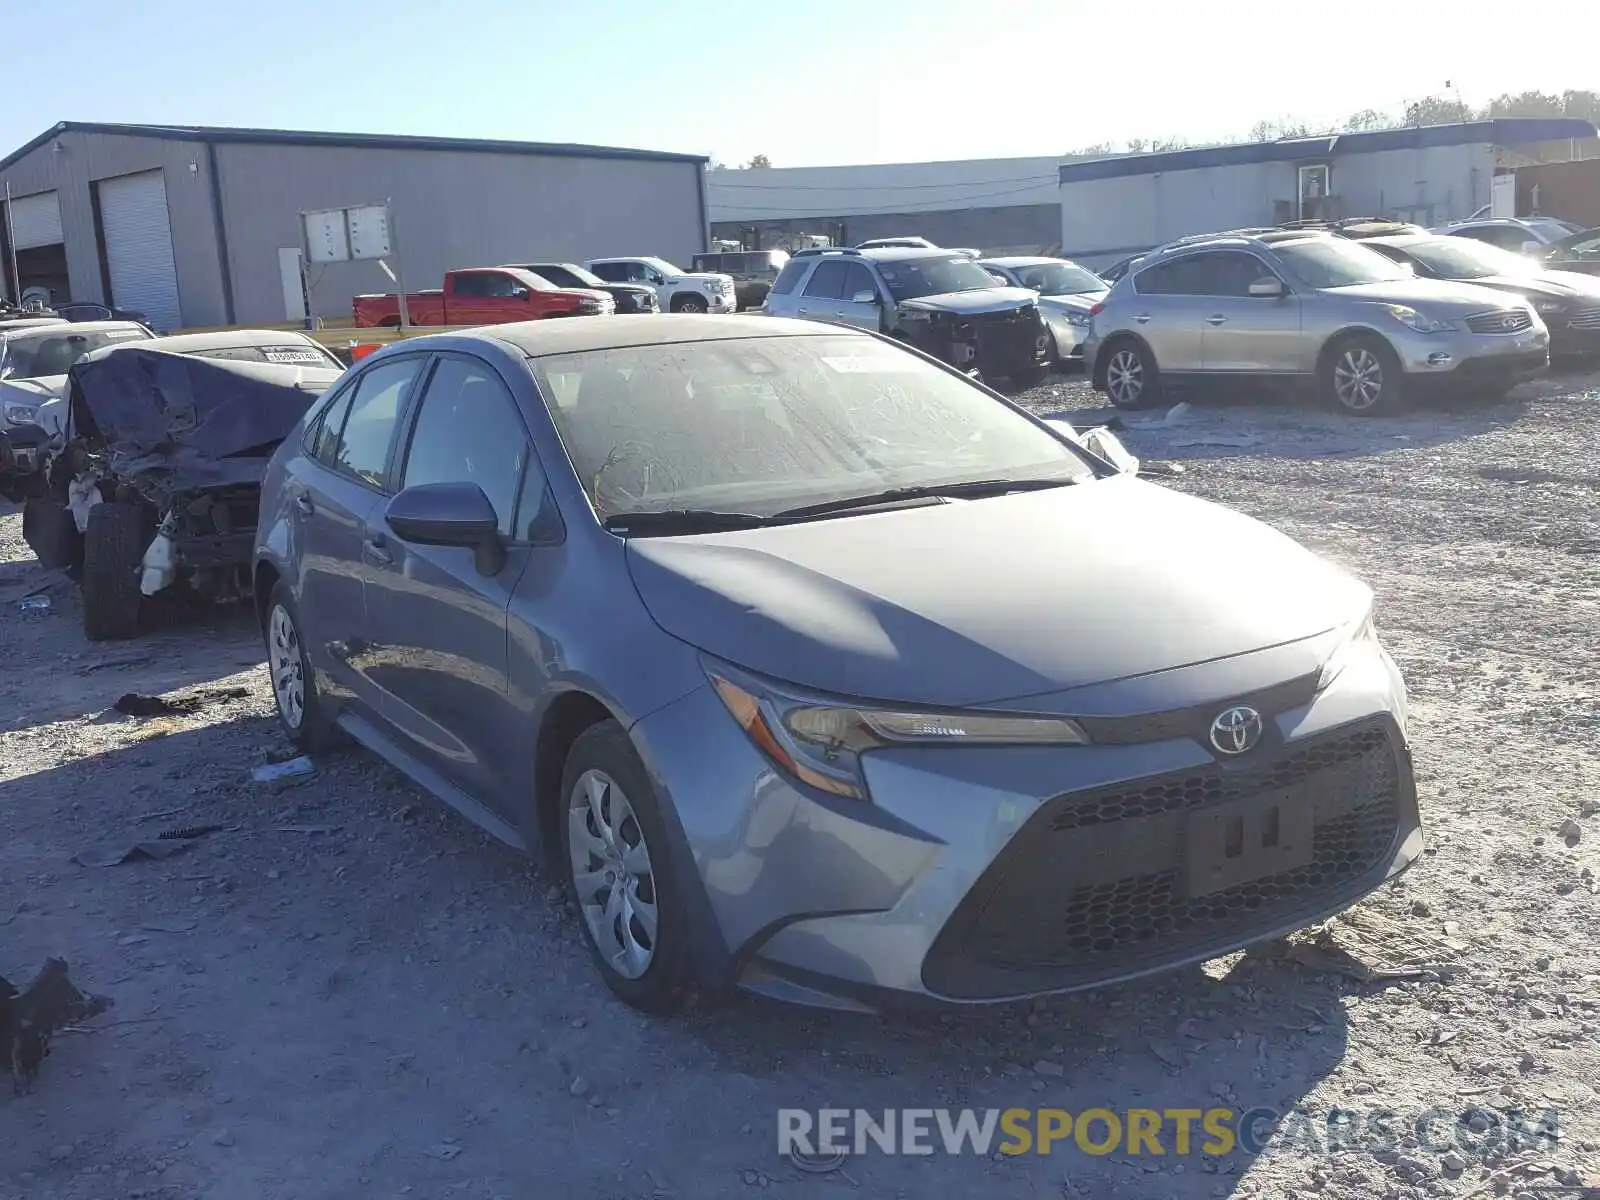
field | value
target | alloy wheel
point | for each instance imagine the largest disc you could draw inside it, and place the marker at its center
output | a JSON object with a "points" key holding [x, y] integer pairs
{"points": [[286, 665], [1125, 377], [612, 873], [1358, 378]]}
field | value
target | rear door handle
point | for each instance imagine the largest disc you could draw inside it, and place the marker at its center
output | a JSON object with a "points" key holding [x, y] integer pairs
{"points": [[1142, 318], [377, 551], [1217, 319], [303, 503]]}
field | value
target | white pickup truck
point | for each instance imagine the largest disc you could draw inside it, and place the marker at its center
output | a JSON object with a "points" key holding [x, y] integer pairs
{"points": [[677, 291]]}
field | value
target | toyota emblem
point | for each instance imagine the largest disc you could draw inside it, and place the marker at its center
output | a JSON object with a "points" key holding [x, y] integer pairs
{"points": [[1236, 730]]}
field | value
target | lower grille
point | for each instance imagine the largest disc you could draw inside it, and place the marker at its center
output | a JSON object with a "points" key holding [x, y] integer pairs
{"points": [[1587, 317], [1511, 320], [1101, 883]]}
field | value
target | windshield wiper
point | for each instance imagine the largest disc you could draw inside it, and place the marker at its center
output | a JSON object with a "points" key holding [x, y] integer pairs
{"points": [[971, 489], [682, 520]]}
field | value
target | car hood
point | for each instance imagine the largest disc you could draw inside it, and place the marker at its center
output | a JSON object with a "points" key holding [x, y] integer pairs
{"points": [[1076, 302], [979, 300], [633, 288], [973, 602], [1434, 293], [1554, 285], [700, 277], [33, 391]]}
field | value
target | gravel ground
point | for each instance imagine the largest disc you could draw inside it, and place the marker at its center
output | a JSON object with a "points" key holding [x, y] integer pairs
{"points": [[347, 991]]}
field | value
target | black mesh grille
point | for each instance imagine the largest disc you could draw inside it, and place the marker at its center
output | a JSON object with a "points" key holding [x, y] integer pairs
{"points": [[1099, 883], [1584, 317], [1513, 320]]}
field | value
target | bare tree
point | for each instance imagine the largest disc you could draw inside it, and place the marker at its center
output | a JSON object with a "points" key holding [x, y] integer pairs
{"points": [[758, 161]]}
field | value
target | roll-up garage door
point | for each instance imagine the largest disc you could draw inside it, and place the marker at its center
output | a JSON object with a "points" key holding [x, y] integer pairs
{"points": [[133, 214], [35, 220]]}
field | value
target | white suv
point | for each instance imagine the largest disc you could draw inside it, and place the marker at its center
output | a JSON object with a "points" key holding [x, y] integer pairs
{"points": [[676, 290]]}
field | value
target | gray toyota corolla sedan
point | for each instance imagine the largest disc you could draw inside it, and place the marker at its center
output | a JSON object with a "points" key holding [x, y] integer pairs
{"points": [[817, 668]]}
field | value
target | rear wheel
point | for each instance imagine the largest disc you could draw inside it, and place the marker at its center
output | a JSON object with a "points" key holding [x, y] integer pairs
{"points": [[1132, 378], [294, 685], [1362, 376]]}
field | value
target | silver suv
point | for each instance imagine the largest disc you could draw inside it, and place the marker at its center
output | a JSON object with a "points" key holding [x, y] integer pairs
{"points": [[1311, 307], [939, 301]]}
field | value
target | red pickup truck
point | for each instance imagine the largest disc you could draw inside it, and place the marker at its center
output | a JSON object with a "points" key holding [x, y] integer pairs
{"points": [[484, 296]]}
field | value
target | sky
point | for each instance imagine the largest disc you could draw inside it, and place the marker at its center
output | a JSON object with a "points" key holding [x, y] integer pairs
{"points": [[805, 83]]}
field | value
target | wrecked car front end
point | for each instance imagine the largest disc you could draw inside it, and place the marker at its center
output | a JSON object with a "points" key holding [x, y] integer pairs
{"points": [[161, 472], [995, 333]]}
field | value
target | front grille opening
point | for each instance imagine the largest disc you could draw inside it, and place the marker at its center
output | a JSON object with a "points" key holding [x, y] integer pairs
{"points": [[1100, 883]]}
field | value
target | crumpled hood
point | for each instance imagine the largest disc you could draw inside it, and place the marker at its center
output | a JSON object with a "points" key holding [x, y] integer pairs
{"points": [[1431, 294], [971, 602], [979, 300]]}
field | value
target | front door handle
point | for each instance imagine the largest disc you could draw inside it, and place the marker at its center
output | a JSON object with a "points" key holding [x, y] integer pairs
{"points": [[1217, 319], [376, 550], [1142, 318], [303, 503]]}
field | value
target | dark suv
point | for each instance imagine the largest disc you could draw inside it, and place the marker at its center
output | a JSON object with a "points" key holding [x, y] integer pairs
{"points": [[940, 301], [753, 271]]}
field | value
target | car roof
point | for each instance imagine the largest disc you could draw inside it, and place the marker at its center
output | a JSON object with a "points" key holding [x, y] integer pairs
{"points": [[1024, 260], [76, 326], [19, 323], [537, 339], [188, 343], [882, 254]]}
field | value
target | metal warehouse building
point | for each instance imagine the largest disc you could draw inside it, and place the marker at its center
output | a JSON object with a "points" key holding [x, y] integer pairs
{"points": [[1429, 174], [999, 204], [200, 226]]}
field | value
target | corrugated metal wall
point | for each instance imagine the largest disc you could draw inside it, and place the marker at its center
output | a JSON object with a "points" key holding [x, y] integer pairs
{"points": [[451, 209], [87, 157]]}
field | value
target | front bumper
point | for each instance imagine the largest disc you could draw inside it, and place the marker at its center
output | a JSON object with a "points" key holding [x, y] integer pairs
{"points": [[723, 302], [975, 874], [1069, 339], [1460, 358]]}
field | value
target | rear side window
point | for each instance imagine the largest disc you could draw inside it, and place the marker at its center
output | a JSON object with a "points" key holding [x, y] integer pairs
{"points": [[827, 281], [611, 272], [789, 276], [468, 429], [1166, 279], [356, 440], [857, 279], [707, 262]]}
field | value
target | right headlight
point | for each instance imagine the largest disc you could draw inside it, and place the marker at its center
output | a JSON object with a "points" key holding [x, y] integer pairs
{"points": [[1421, 322], [820, 744], [1358, 636]]}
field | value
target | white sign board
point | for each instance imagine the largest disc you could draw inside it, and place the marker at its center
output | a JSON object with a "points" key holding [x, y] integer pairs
{"points": [[327, 237], [341, 234], [369, 231], [1503, 196]]}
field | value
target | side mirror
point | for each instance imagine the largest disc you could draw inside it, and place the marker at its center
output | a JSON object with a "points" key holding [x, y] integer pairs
{"points": [[449, 514], [864, 297], [1269, 289]]}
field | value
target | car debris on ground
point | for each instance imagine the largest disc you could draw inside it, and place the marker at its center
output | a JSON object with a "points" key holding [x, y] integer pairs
{"points": [[31, 1017]]}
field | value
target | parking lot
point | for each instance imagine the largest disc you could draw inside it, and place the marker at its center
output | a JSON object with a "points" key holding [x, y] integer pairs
{"points": [[342, 989]]}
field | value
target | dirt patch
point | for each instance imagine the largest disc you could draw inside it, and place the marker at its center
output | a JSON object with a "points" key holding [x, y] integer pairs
{"points": [[339, 989]]}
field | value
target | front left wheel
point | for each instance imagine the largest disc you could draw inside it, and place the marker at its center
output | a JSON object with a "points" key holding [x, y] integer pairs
{"points": [[114, 543], [1362, 376], [690, 304], [620, 873]]}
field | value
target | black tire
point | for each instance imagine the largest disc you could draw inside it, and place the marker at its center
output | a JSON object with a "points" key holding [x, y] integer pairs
{"points": [[1133, 380], [1032, 377], [313, 730], [1361, 375], [690, 304], [113, 547], [666, 984], [52, 534]]}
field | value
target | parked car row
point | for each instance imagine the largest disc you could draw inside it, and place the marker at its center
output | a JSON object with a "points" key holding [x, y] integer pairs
{"points": [[1365, 312]]}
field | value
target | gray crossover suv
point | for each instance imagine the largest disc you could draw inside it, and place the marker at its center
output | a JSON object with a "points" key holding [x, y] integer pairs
{"points": [[940, 301], [707, 611], [1313, 307]]}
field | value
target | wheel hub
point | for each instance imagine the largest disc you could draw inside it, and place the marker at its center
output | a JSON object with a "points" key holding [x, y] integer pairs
{"points": [[612, 873]]}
